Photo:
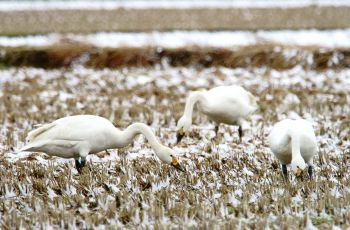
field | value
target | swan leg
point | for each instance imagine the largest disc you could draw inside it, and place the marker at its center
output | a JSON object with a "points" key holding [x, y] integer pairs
{"points": [[285, 172], [80, 163], [216, 138], [216, 129], [240, 132], [310, 171]]}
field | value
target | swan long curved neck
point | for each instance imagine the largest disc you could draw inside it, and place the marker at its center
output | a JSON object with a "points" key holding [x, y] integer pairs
{"points": [[139, 128], [192, 99], [295, 146]]}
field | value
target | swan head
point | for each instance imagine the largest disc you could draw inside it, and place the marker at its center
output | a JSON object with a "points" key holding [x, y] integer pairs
{"points": [[183, 125], [167, 156], [298, 166]]}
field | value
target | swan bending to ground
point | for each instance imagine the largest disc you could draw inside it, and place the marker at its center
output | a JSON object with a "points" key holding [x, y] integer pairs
{"points": [[81, 135], [223, 104], [293, 142]]}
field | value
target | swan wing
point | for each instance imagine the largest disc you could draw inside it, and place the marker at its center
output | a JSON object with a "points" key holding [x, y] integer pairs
{"points": [[235, 95], [36, 132], [228, 104], [61, 133], [61, 148]]}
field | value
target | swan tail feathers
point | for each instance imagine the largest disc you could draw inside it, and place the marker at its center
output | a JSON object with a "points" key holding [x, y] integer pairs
{"points": [[34, 146]]}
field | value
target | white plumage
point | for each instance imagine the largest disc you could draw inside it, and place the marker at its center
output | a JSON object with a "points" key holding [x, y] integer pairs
{"points": [[294, 142], [223, 104], [80, 135]]}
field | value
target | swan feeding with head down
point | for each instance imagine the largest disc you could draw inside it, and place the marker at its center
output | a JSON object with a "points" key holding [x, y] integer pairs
{"points": [[81, 135], [223, 104], [294, 142]]}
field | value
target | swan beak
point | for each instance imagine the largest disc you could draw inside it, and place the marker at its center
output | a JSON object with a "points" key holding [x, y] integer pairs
{"points": [[299, 172], [180, 134], [177, 165]]}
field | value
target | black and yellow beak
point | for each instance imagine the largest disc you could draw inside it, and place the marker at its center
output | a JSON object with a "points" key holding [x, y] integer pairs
{"points": [[179, 135], [299, 172], [177, 165]]}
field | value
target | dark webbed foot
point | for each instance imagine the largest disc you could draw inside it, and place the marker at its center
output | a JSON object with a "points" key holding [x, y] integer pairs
{"points": [[79, 164], [240, 133], [310, 171], [285, 172]]}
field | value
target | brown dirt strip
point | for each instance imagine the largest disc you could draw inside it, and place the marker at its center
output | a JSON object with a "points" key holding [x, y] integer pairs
{"points": [[274, 56]]}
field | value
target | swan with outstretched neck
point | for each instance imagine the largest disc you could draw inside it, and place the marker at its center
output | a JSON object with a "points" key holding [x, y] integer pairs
{"points": [[223, 104], [293, 142], [81, 135]]}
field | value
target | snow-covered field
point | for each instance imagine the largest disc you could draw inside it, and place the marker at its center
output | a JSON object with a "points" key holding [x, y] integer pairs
{"points": [[183, 4], [179, 39], [226, 183]]}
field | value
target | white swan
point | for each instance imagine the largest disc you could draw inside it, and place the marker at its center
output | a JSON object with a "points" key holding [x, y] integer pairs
{"points": [[223, 104], [293, 142], [80, 135]]}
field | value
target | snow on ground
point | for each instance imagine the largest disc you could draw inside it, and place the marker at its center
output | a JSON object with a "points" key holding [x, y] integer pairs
{"points": [[110, 5], [227, 183], [34, 40], [79, 82], [177, 39]]}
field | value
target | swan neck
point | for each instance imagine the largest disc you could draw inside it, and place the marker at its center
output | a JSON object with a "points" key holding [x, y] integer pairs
{"points": [[140, 128], [192, 99], [295, 146]]}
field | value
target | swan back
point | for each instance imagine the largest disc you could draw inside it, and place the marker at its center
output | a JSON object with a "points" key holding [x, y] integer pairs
{"points": [[74, 134], [228, 104], [80, 135], [78, 127]]}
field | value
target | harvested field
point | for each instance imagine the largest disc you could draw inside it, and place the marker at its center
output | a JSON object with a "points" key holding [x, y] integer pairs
{"points": [[227, 184], [272, 55]]}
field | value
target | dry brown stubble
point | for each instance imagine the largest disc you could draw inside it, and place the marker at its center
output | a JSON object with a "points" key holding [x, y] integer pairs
{"points": [[227, 184]]}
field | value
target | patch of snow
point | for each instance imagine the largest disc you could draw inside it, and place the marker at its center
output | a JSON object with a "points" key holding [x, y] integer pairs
{"points": [[179, 39], [158, 186], [247, 172], [32, 40], [254, 197], [335, 192], [112, 5], [297, 199], [232, 200], [9, 192], [309, 225]]}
